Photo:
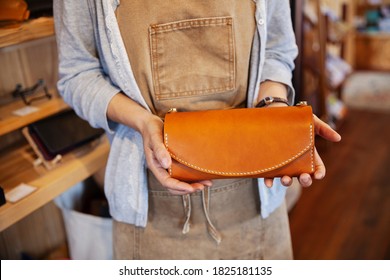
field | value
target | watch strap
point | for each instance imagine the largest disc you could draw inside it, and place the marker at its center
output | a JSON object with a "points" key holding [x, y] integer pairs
{"points": [[269, 100]]}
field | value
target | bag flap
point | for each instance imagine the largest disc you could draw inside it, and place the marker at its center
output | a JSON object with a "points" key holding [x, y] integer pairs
{"points": [[239, 141]]}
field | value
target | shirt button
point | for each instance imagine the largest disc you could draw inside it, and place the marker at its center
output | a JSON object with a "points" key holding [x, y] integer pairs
{"points": [[260, 21]]}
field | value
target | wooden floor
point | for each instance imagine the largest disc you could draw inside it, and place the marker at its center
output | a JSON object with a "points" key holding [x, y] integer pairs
{"points": [[347, 214]]}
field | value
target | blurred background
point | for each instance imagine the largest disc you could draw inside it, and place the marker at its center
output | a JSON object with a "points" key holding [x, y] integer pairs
{"points": [[344, 72]]}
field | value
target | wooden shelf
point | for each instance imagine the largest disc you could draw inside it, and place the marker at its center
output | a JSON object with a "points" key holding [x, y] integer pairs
{"points": [[384, 36], [16, 166], [28, 31], [10, 122], [363, 7]]}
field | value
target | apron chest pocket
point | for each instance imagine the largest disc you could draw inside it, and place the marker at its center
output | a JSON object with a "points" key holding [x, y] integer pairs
{"points": [[192, 57]]}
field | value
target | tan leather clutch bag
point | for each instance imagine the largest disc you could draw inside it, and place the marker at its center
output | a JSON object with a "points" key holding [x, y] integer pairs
{"points": [[238, 143]]}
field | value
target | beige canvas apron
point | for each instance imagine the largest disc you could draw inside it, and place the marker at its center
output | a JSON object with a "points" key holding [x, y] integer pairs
{"points": [[194, 55]]}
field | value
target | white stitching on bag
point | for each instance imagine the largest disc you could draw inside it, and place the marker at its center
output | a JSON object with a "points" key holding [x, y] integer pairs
{"points": [[166, 145], [249, 172]]}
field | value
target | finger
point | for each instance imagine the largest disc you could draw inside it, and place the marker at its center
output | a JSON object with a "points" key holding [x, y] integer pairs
{"points": [[320, 169], [181, 187], [198, 186], [163, 157], [161, 153], [269, 182], [162, 175], [286, 181], [305, 180], [325, 131], [175, 192], [173, 184], [195, 188], [206, 183]]}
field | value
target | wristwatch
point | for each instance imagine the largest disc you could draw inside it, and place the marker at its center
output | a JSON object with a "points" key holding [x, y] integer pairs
{"points": [[269, 100]]}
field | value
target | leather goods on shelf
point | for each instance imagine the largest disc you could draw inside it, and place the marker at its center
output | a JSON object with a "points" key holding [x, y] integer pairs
{"points": [[60, 134], [240, 143], [13, 10]]}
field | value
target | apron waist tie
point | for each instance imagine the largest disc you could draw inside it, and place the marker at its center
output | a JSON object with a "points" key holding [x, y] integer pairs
{"points": [[187, 210], [210, 227], [214, 233]]}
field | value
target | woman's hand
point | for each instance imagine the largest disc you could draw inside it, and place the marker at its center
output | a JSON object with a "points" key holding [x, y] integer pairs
{"points": [[275, 89], [123, 110], [325, 131], [159, 160]]}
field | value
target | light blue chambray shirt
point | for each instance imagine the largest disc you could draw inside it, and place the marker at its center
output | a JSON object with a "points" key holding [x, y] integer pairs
{"points": [[94, 66]]}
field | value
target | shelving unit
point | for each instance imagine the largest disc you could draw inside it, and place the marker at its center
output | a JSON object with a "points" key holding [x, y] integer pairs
{"points": [[17, 167], [297, 20], [17, 157], [321, 35], [10, 122], [30, 31]]}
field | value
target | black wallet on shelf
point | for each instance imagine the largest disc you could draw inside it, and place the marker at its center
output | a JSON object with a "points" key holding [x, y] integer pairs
{"points": [[61, 133]]}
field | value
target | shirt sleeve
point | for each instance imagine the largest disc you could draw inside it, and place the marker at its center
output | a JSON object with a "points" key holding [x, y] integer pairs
{"points": [[83, 83], [281, 49]]}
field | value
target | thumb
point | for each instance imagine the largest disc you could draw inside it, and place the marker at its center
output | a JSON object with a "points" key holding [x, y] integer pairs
{"points": [[162, 156], [325, 131]]}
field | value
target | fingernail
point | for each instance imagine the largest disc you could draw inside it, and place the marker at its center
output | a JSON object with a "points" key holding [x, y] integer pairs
{"points": [[285, 181], [207, 184], [306, 179], [268, 185]]}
